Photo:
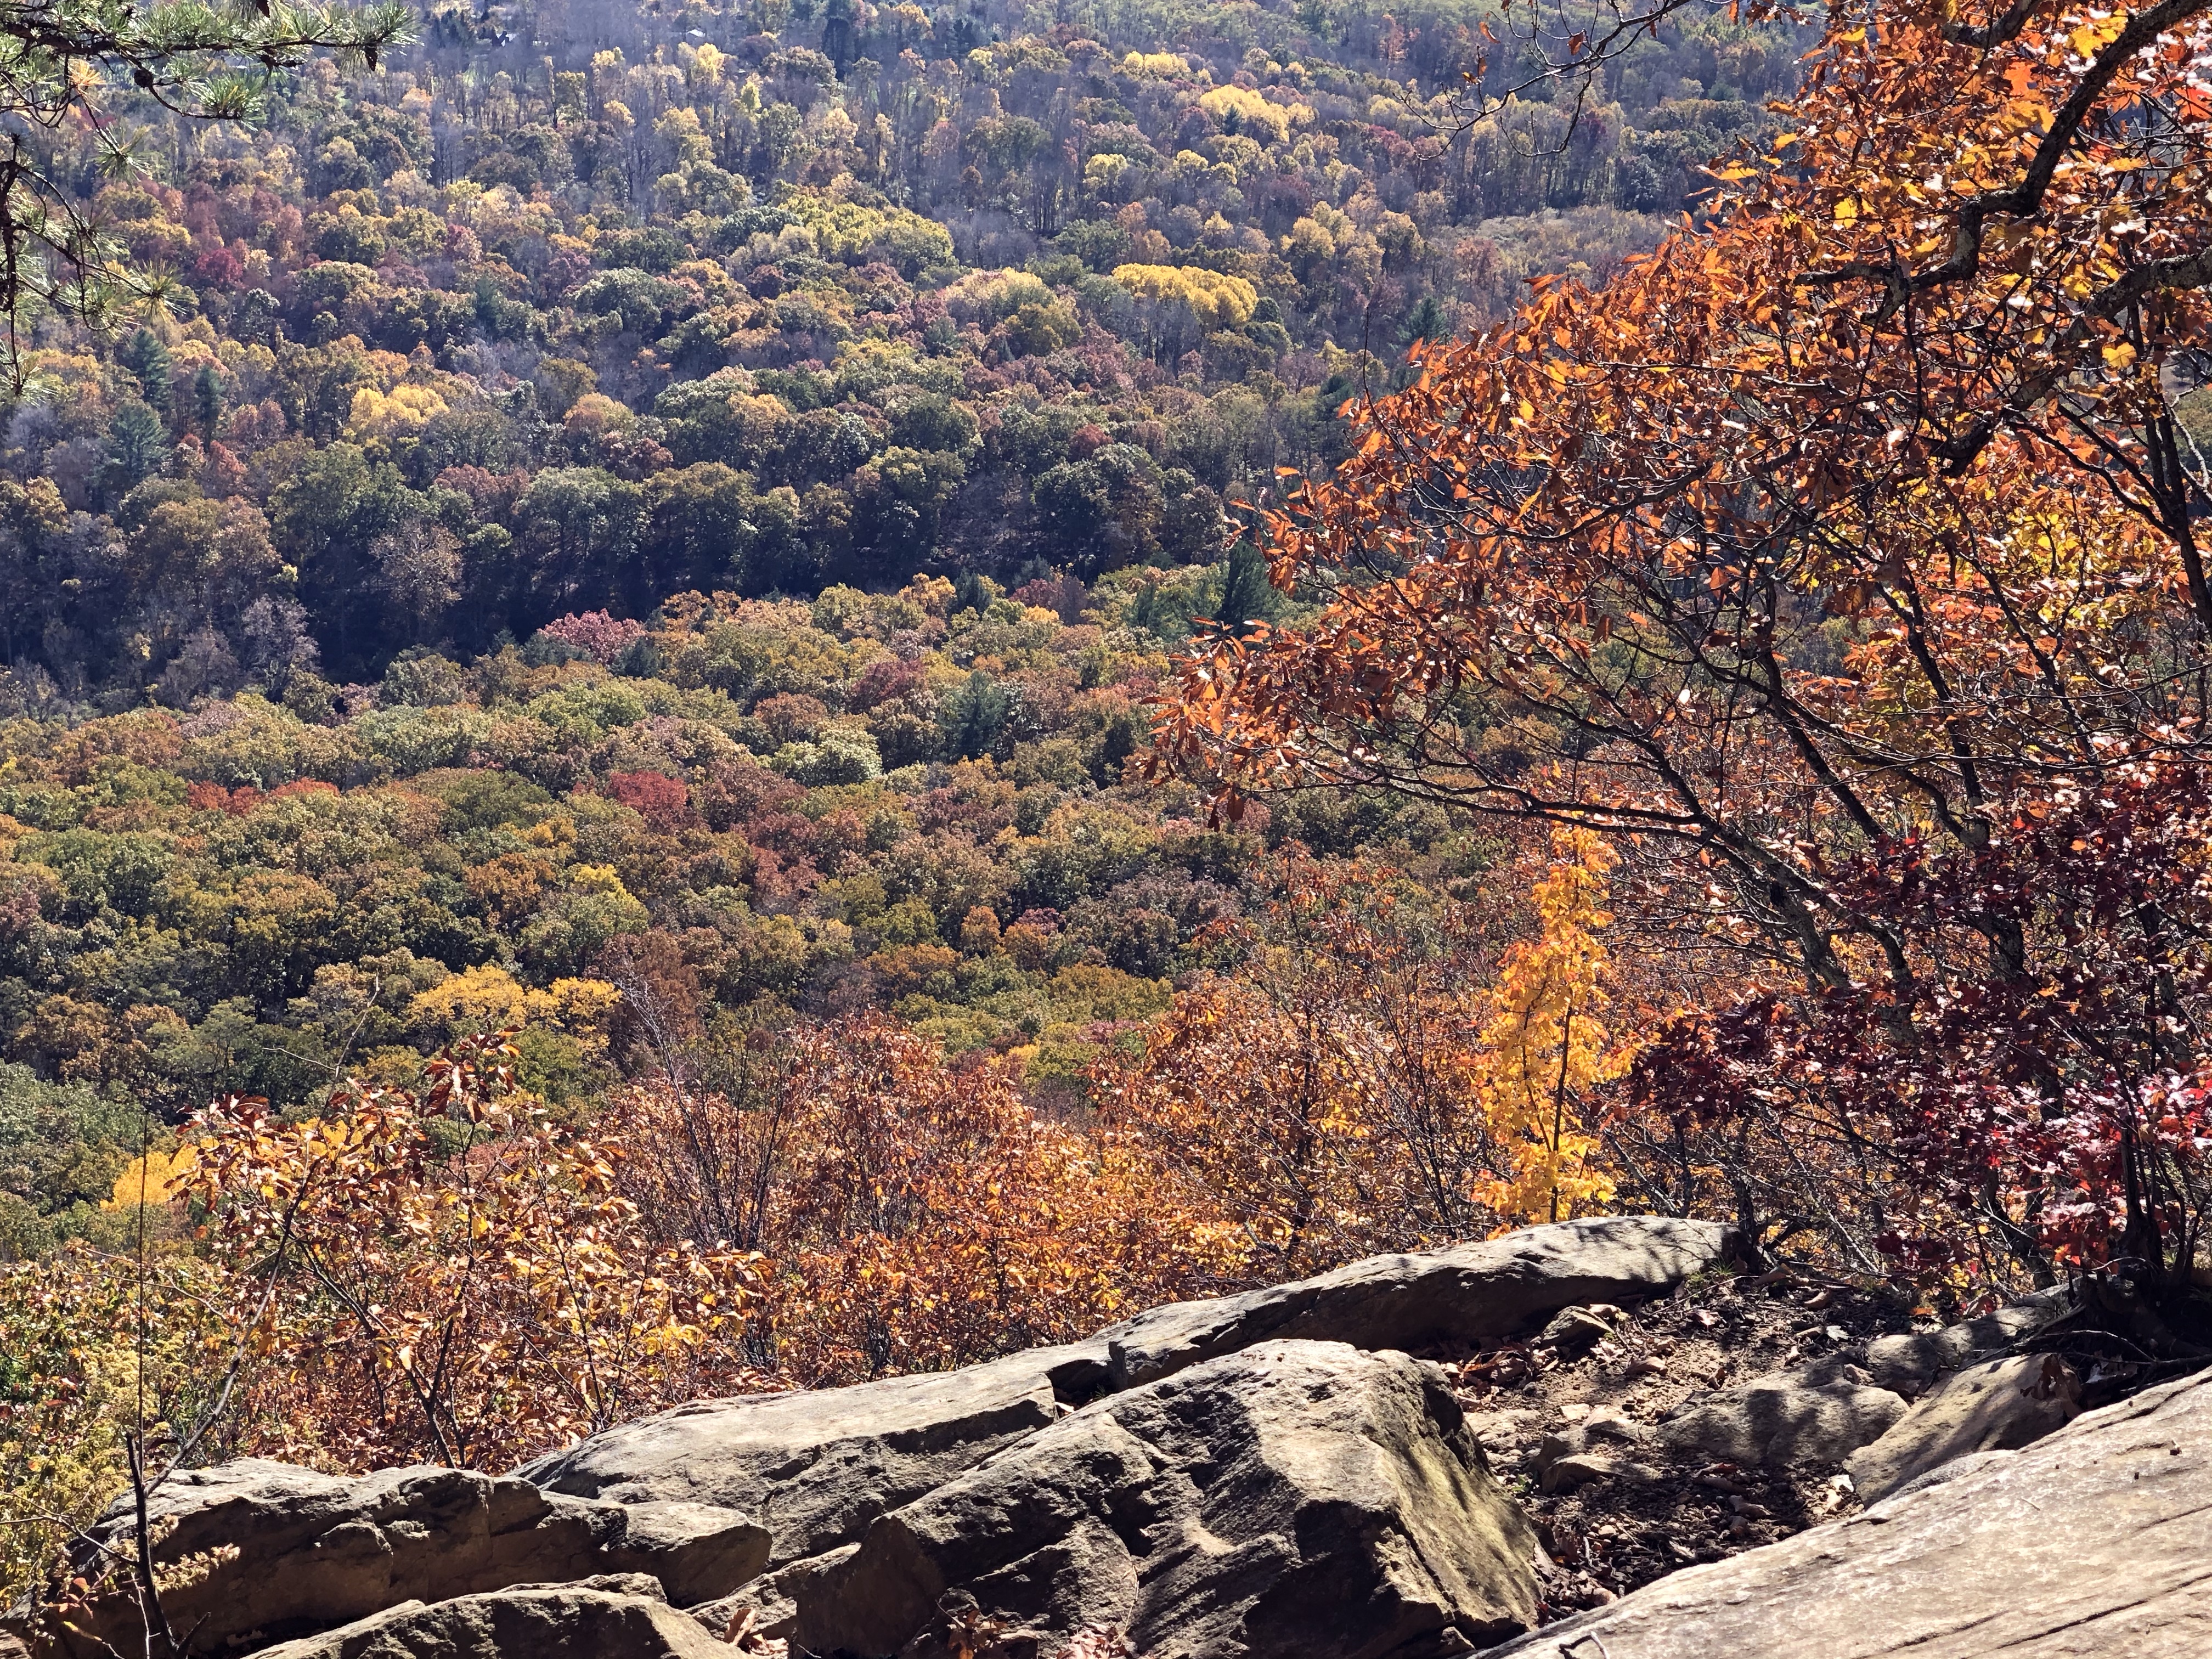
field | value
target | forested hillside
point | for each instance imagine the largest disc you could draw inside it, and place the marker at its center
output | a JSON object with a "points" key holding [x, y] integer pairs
{"points": [[581, 308], [707, 497], [705, 701], [904, 803], [658, 532]]}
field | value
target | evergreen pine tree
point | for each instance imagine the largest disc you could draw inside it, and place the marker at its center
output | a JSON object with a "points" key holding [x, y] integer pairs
{"points": [[136, 445], [970, 593], [206, 398], [148, 359], [1246, 595], [975, 716]]}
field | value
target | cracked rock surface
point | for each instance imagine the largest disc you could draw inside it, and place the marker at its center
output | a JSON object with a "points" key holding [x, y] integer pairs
{"points": [[606, 1618], [2097, 1540], [1300, 1499], [284, 1551], [1409, 1457]]}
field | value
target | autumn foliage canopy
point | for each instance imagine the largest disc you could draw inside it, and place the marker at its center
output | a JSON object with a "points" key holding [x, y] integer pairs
{"points": [[1838, 563], [1813, 617]]}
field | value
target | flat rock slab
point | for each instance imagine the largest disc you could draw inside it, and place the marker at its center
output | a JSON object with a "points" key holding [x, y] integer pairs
{"points": [[1299, 1500], [607, 1618], [2000, 1406], [290, 1551], [818, 1467], [1819, 1415], [1912, 1364], [1472, 1293], [2097, 1540]]}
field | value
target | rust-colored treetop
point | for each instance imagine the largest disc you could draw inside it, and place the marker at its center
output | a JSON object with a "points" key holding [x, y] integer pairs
{"points": [[1853, 512]]}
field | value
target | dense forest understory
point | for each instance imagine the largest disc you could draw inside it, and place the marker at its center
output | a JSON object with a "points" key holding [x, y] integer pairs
{"points": [[697, 699]]}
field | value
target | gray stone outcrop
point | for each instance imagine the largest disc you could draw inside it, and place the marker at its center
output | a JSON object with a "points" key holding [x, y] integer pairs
{"points": [[1912, 1363], [256, 1550], [818, 1467], [1470, 1294], [2096, 1539], [606, 1618], [2000, 1406], [1298, 1498]]}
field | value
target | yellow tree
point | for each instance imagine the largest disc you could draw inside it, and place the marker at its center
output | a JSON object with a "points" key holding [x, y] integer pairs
{"points": [[1545, 1047]]}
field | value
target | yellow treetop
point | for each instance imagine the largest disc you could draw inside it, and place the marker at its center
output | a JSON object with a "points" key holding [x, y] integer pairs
{"points": [[1544, 1047], [1252, 109], [401, 412], [153, 1180], [489, 998], [1153, 65], [1216, 300]]}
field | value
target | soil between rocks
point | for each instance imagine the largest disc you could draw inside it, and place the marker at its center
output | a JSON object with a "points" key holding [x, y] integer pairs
{"points": [[1616, 1533]]}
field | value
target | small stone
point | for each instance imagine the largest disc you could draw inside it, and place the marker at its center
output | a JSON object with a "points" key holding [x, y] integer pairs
{"points": [[1607, 1421], [1787, 1418], [1553, 1447], [1568, 1473], [1574, 1332]]}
